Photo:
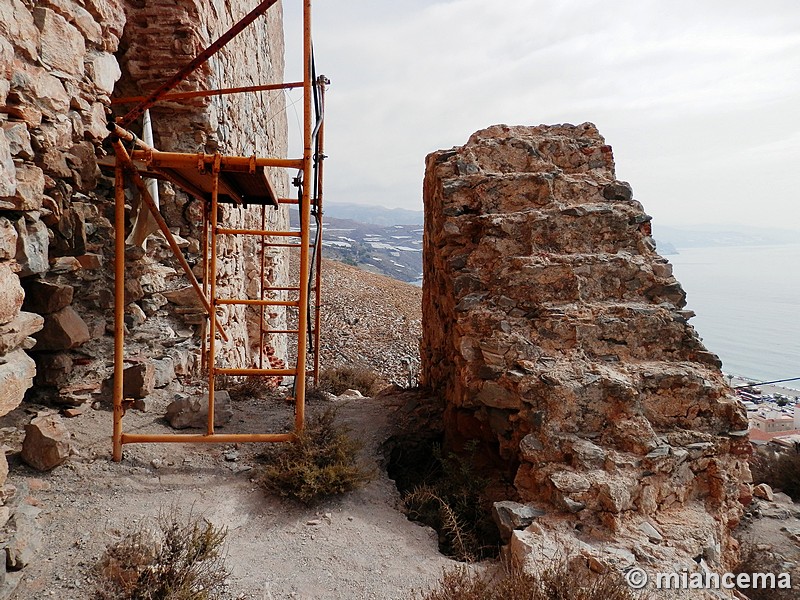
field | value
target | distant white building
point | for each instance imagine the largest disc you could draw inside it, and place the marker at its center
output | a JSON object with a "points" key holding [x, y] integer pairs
{"points": [[774, 421]]}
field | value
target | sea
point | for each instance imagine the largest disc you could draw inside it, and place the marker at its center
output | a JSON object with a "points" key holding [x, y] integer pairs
{"points": [[747, 305]]}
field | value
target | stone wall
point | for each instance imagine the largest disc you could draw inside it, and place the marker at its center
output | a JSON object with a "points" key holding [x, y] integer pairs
{"points": [[60, 63], [57, 69], [558, 337], [169, 35]]}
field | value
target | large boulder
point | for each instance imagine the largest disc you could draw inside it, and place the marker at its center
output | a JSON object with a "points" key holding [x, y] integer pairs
{"points": [[16, 24], [32, 247], [63, 330], [46, 297], [15, 333], [28, 191], [187, 412], [139, 380], [19, 139], [8, 172], [47, 442], [16, 375], [8, 239], [61, 45], [11, 294]]}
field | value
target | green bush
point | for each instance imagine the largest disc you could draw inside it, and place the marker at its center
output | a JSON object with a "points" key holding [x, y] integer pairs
{"points": [[175, 561], [322, 462]]}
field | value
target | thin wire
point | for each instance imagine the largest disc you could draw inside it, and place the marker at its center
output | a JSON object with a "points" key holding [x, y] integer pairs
{"points": [[746, 385], [294, 109]]}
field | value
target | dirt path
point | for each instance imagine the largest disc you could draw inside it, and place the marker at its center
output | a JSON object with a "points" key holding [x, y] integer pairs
{"points": [[359, 546]]}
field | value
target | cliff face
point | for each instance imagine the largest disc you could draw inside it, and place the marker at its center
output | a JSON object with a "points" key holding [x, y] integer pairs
{"points": [[557, 335], [60, 63]]}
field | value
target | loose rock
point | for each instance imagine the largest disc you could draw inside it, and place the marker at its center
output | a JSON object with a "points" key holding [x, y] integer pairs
{"points": [[63, 330], [47, 442], [193, 412]]}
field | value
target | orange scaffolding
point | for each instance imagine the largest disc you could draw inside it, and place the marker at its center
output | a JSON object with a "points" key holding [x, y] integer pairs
{"points": [[216, 179]]}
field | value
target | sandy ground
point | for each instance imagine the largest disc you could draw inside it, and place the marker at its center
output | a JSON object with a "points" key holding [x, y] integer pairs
{"points": [[358, 546]]}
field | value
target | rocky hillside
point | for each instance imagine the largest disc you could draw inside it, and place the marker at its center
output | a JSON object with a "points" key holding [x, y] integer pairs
{"points": [[392, 249], [370, 320]]}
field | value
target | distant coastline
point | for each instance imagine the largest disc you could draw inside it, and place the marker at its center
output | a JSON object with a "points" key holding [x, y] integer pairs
{"points": [[746, 302]]}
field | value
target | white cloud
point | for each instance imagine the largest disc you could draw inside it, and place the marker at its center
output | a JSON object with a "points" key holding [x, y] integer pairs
{"points": [[700, 100]]}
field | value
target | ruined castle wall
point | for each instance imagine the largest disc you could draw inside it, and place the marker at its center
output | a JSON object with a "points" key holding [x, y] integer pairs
{"points": [[558, 336], [169, 35], [60, 63], [57, 70]]}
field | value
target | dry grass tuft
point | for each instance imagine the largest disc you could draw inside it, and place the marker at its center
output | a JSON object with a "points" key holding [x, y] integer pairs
{"points": [[450, 497], [554, 581], [175, 561], [340, 379], [780, 470], [323, 462], [246, 388], [755, 559]]}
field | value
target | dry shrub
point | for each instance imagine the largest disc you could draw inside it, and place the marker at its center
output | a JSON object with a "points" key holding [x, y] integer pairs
{"points": [[450, 498], [246, 388], [780, 470], [554, 581], [315, 394], [322, 462], [340, 379], [175, 561], [755, 559]]}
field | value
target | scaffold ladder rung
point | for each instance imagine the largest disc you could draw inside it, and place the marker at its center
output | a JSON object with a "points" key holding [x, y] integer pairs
{"points": [[257, 232], [249, 302], [263, 372]]}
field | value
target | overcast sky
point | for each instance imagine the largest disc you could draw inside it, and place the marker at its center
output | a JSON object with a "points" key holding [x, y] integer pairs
{"points": [[700, 99]]}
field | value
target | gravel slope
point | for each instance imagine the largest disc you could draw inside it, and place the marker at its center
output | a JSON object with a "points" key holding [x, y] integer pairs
{"points": [[370, 320]]}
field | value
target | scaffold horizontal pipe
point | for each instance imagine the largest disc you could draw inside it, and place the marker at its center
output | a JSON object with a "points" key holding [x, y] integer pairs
{"points": [[218, 92], [261, 232], [249, 302], [195, 438], [166, 160], [263, 372]]}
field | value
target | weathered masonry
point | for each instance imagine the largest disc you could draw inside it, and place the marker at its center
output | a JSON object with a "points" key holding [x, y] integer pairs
{"points": [[558, 337]]}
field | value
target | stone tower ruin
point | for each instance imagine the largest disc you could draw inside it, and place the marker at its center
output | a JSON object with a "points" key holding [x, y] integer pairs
{"points": [[558, 337]]}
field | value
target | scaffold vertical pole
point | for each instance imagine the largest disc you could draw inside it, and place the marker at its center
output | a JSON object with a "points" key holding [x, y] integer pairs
{"points": [[204, 326], [261, 294], [119, 307], [305, 215], [212, 365]]}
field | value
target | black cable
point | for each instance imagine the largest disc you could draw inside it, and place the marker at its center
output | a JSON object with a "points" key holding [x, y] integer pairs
{"points": [[746, 385], [317, 158]]}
